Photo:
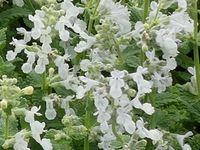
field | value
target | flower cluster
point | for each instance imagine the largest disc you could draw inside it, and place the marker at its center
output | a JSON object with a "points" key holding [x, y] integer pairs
{"points": [[90, 67]]}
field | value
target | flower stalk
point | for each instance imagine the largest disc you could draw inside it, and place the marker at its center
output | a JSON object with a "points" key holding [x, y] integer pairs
{"points": [[195, 45], [145, 15], [7, 127]]}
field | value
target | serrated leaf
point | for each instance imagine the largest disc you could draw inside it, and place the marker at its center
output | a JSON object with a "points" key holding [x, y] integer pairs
{"points": [[5, 67], [184, 61], [13, 13], [130, 57], [12, 125], [2, 38], [136, 14]]}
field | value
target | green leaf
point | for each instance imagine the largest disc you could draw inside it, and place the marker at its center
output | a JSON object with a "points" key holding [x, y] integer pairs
{"points": [[129, 55], [12, 14], [2, 38], [5, 67], [184, 61], [136, 14], [12, 127]]}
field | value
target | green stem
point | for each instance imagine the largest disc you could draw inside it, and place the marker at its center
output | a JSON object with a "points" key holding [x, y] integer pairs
{"points": [[145, 15], [86, 143], [114, 127], [29, 1], [87, 124], [146, 10], [152, 123], [91, 21], [195, 45], [7, 127], [44, 84]]}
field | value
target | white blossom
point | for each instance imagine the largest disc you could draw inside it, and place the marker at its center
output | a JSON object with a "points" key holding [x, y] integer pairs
{"points": [[20, 143], [153, 134], [116, 83], [180, 139], [29, 115], [143, 85], [118, 14], [50, 112]]}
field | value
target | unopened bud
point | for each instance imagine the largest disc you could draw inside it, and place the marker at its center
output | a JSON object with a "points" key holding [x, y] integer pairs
{"points": [[27, 90], [3, 104]]}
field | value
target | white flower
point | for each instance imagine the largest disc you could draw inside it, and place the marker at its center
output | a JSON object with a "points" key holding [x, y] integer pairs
{"points": [[126, 121], [118, 14], [182, 4], [11, 55], [180, 21], [41, 63], [37, 129], [80, 92], [161, 81], [37, 19], [143, 85], [19, 46], [139, 28], [46, 144], [65, 105], [27, 34], [19, 3], [28, 66], [167, 41], [152, 134], [46, 40], [89, 82], [63, 68], [86, 44], [116, 83], [29, 115], [180, 139], [60, 26], [20, 143], [146, 107], [101, 104], [50, 112], [84, 64], [70, 9]]}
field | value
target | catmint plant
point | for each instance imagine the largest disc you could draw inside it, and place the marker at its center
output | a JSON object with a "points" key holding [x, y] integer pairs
{"points": [[96, 69]]}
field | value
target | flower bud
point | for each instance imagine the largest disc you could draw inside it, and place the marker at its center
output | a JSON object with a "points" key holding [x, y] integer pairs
{"points": [[8, 143], [70, 120], [3, 104], [78, 132], [131, 92], [19, 111], [60, 136], [27, 90]]}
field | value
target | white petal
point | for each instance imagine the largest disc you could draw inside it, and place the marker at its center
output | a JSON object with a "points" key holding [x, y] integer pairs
{"points": [[147, 108], [11, 55], [46, 144], [27, 68]]}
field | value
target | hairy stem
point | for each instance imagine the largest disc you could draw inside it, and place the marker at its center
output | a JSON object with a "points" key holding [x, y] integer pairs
{"points": [[152, 123], [44, 84], [87, 120], [7, 127], [195, 45], [114, 127], [145, 15], [91, 21]]}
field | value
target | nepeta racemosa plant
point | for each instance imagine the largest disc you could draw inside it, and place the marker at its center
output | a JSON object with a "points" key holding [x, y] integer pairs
{"points": [[80, 48]]}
